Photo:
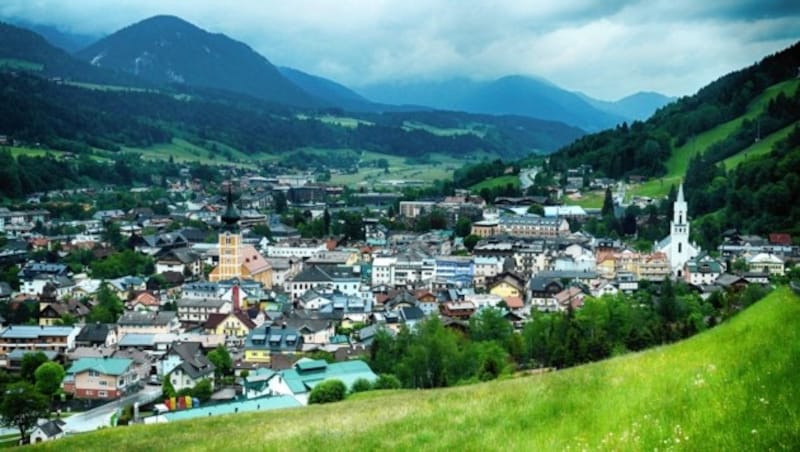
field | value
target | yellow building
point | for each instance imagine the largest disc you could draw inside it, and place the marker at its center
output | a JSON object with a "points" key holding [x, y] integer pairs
{"points": [[234, 326], [507, 285]]}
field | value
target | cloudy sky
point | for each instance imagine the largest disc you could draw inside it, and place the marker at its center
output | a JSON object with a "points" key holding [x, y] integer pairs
{"points": [[605, 48]]}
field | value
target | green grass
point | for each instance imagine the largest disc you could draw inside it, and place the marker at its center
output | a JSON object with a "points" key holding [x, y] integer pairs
{"points": [[183, 151], [479, 130], [732, 388], [679, 160], [13, 63], [590, 199], [400, 169], [99, 87], [762, 147], [496, 182], [341, 121]]}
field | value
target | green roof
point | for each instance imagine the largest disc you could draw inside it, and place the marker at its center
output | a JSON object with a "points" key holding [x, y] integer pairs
{"points": [[107, 366], [302, 381], [242, 406]]}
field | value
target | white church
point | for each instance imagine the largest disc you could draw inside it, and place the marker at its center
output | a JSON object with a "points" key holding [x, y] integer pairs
{"points": [[676, 246]]}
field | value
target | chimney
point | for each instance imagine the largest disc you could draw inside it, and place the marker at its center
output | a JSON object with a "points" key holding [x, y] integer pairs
{"points": [[235, 289]]}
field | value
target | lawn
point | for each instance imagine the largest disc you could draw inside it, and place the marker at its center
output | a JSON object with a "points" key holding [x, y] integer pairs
{"points": [[13, 63], [401, 170], [591, 199], [183, 151], [497, 182], [731, 388]]}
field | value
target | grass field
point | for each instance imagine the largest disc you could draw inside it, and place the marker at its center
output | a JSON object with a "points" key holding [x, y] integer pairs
{"points": [[99, 87], [496, 182], [679, 160], [183, 151], [400, 169], [732, 388], [13, 63], [475, 130], [760, 148], [591, 199]]}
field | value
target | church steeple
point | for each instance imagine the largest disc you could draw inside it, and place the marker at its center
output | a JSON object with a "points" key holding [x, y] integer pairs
{"points": [[231, 216]]}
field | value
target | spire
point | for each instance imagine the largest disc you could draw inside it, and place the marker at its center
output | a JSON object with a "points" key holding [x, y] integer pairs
{"points": [[680, 193], [231, 216]]}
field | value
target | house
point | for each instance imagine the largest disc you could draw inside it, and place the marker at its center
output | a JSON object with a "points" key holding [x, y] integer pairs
{"points": [[57, 340], [267, 339], [97, 335], [507, 284], [766, 263], [100, 378], [315, 331], [306, 373], [47, 431], [193, 310], [235, 326], [148, 322], [457, 309], [541, 290], [702, 270], [144, 300], [569, 298], [340, 278], [181, 260], [185, 365]]}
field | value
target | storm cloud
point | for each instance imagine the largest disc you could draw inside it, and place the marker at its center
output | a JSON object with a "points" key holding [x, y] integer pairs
{"points": [[607, 49]]}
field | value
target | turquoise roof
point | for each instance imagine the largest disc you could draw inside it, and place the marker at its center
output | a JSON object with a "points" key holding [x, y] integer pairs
{"points": [[260, 404], [307, 373], [107, 366]]}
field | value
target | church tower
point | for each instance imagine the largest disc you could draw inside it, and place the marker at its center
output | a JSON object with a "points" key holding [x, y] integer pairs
{"points": [[230, 241], [680, 250]]}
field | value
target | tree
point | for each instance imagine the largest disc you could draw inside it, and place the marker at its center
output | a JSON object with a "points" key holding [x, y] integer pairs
{"points": [[48, 378], [203, 390], [222, 361], [279, 202], [22, 406], [328, 391], [463, 227], [608, 204], [31, 362], [108, 308], [470, 241], [168, 388]]}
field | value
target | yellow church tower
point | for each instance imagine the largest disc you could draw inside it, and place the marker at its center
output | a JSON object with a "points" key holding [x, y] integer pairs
{"points": [[230, 242]]}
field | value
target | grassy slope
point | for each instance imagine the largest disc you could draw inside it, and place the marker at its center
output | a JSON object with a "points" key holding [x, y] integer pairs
{"points": [[679, 160], [495, 182], [760, 148], [732, 388]]}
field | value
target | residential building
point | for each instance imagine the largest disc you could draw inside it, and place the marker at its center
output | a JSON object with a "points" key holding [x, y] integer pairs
{"points": [[235, 326], [766, 263], [34, 338], [100, 378], [148, 322], [267, 339], [327, 277], [185, 365], [194, 310]]}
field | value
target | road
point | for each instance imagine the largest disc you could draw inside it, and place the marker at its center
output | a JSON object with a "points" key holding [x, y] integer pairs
{"points": [[527, 176], [101, 416]]}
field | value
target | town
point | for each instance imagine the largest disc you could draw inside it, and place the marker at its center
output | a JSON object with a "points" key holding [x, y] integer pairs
{"points": [[196, 298]]}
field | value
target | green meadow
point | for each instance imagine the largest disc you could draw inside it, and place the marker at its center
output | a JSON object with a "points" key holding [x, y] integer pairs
{"points": [[731, 388]]}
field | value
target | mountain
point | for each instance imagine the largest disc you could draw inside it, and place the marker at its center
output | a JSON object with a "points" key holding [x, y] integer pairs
{"points": [[169, 50], [328, 91], [65, 40], [22, 49], [515, 95], [730, 388], [638, 106]]}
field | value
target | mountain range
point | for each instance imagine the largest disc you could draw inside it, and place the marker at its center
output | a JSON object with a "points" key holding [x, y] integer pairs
{"points": [[168, 50]]}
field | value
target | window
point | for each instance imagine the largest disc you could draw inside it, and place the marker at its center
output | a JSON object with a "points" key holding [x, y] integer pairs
{"points": [[103, 383], [102, 394]]}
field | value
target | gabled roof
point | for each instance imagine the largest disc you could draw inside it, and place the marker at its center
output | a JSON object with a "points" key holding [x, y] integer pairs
{"points": [[106, 366], [94, 333], [194, 363], [51, 428], [215, 319], [302, 381]]}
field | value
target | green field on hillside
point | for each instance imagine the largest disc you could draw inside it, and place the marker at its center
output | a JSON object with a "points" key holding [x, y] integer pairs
{"points": [[731, 388], [475, 129], [679, 160], [496, 182], [183, 151], [760, 148], [24, 65], [401, 169]]}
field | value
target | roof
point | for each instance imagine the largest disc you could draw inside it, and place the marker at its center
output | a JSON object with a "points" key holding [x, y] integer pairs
{"points": [[93, 333], [147, 318], [32, 332], [210, 303], [215, 319], [194, 363], [253, 261], [19, 353], [51, 428], [304, 376], [259, 404], [137, 340], [106, 366], [412, 313]]}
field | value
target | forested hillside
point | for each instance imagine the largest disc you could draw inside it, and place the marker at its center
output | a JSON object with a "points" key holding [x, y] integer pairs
{"points": [[642, 148]]}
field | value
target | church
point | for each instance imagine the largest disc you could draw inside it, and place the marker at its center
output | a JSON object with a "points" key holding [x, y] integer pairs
{"points": [[676, 246]]}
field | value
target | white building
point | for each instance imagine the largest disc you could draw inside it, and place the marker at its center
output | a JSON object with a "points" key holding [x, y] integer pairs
{"points": [[677, 247]]}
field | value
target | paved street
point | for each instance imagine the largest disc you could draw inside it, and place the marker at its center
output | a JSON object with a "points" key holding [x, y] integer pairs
{"points": [[101, 416]]}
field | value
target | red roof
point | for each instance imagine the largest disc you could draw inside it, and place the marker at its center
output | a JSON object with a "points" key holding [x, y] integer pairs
{"points": [[780, 238]]}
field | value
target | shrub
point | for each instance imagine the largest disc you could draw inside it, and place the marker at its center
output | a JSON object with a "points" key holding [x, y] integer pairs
{"points": [[328, 391], [387, 381], [361, 385]]}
